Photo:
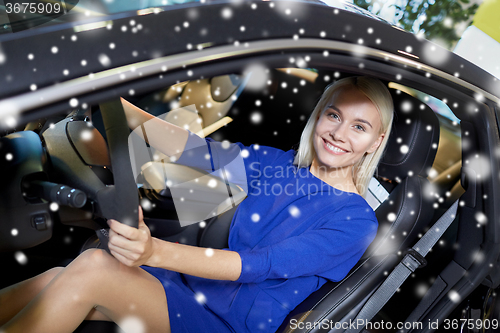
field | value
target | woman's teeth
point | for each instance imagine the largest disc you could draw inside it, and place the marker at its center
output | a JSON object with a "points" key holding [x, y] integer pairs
{"points": [[335, 149]]}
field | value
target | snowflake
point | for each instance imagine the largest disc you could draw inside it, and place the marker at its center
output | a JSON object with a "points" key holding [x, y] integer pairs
{"points": [[301, 63], [227, 13], [435, 54], [73, 102], [481, 218], [104, 59], [200, 298], [209, 252], [454, 296], [421, 289], [146, 204], [479, 97], [86, 135], [294, 211], [212, 183], [255, 217], [132, 324], [258, 77], [21, 258], [406, 106]]}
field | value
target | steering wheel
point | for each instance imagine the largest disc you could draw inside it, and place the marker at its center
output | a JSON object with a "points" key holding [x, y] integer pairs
{"points": [[119, 202]]}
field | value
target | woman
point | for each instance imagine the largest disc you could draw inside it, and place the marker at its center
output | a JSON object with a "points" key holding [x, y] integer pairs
{"points": [[281, 247]]}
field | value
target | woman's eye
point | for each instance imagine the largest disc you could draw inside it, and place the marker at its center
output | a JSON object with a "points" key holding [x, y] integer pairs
{"points": [[334, 115], [359, 127]]}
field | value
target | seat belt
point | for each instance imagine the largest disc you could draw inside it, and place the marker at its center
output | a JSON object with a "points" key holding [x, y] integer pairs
{"points": [[414, 258], [376, 193]]}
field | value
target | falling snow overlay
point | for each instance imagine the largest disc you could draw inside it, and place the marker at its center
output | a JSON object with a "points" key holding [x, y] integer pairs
{"points": [[132, 324], [271, 110]]}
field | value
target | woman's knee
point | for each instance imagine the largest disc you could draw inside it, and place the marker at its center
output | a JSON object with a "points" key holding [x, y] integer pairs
{"points": [[94, 260], [50, 274]]}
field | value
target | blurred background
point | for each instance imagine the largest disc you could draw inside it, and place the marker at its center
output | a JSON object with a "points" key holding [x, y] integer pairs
{"points": [[470, 28]]}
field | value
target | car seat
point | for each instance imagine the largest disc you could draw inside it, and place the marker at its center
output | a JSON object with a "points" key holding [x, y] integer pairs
{"points": [[404, 214]]}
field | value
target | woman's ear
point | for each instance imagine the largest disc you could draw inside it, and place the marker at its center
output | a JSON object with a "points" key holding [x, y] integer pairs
{"points": [[376, 144]]}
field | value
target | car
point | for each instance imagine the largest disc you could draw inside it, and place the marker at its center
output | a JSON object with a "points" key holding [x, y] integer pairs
{"points": [[252, 72]]}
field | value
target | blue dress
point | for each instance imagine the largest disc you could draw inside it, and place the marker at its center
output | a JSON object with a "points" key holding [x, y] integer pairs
{"points": [[293, 232]]}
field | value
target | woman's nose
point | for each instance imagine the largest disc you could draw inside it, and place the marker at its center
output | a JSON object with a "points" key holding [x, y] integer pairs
{"points": [[338, 133]]}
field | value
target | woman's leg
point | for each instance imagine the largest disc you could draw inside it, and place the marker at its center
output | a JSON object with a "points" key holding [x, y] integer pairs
{"points": [[14, 298], [95, 280]]}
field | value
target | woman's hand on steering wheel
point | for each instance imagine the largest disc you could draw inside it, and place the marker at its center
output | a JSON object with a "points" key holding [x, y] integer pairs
{"points": [[131, 246]]}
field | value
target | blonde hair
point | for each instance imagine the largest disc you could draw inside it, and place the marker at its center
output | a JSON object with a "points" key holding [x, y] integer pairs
{"points": [[379, 95]]}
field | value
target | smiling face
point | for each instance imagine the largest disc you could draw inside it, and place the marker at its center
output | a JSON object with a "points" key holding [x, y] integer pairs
{"points": [[348, 127]]}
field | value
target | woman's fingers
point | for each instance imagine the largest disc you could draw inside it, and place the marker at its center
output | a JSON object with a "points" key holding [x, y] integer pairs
{"points": [[126, 256], [123, 229], [118, 240], [120, 257], [129, 245], [135, 252], [136, 246], [141, 214]]}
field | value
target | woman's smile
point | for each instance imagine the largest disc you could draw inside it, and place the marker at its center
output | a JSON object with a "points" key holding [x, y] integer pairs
{"points": [[346, 130], [334, 149]]}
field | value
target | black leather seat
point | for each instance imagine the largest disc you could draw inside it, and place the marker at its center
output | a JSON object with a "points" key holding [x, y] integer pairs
{"points": [[402, 216]]}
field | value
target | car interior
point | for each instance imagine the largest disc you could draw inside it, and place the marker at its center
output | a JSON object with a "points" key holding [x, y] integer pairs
{"points": [[419, 177]]}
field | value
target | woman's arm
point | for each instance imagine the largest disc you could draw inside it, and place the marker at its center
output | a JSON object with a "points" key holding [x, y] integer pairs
{"points": [[164, 136], [135, 247], [202, 262]]}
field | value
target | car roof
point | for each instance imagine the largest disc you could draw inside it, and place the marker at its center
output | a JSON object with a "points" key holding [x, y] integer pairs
{"points": [[44, 57]]}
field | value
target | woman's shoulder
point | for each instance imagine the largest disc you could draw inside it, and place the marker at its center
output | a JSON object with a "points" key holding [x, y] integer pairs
{"points": [[350, 206], [266, 155]]}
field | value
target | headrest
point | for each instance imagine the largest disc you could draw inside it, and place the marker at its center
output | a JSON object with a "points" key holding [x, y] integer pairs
{"points": [[413, 141]]}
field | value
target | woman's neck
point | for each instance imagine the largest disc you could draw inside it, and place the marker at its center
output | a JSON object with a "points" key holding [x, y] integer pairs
{"points": [[339, 178]]}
